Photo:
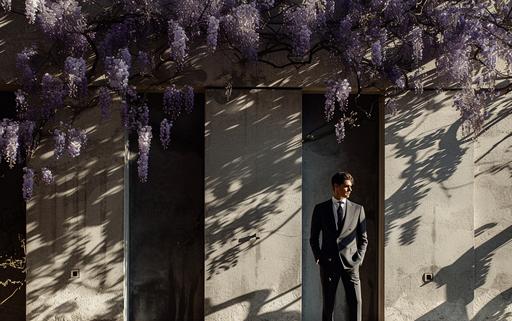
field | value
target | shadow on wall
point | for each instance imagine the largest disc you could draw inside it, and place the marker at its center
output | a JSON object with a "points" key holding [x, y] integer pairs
{"points": [[421, 173], [77, 223], [494, 117], [255, 302], [250, 176], [459, 288]]}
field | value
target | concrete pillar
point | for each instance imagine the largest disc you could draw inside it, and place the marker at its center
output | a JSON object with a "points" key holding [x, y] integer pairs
{"points": [[253, 205], [76, 224]]}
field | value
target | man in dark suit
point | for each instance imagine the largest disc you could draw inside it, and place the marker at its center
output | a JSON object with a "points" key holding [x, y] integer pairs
{"points": [[344, 241]]}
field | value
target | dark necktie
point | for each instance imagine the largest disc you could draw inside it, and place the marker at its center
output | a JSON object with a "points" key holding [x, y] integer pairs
{"points": [[340, 215]]}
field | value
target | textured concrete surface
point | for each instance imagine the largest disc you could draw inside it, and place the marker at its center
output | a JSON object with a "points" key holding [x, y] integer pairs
{"points": [[77, 223], [322, 156], [166, 243], [493, 215], [447, 213], [253, 205]]}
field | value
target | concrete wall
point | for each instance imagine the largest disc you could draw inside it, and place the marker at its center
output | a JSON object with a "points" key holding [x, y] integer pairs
{"points": [[439, 213], [77, 223], [166, 242], [493, 215], [322, 156], [253, 205]]}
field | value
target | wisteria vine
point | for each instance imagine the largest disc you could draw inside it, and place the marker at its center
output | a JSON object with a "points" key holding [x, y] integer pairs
{"points": [[101, 59]]}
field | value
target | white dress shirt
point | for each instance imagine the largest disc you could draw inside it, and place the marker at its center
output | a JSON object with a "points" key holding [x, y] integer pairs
{"points": [[335, 208]]}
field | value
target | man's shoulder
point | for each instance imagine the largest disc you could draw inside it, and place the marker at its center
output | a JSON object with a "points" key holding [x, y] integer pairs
{"points": [[356, 205], [323, 204]]}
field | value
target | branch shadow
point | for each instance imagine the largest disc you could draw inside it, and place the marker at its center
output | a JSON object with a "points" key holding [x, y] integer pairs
{"points": [[421, 172]]}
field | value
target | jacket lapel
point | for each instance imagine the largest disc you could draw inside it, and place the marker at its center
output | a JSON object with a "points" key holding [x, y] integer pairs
{"points": [[331, 224], [349, 216]]}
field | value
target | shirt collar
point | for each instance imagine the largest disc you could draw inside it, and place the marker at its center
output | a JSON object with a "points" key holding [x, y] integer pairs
{"points": [[335, 201]]}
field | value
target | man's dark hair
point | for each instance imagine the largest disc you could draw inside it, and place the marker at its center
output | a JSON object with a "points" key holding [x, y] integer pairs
{"points": [[340, 177]]}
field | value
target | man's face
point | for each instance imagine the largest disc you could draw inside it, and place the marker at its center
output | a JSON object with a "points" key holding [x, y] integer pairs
{"points": [[342, 191]]}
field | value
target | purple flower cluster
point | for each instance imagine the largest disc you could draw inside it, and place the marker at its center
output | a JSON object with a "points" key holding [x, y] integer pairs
{"points": [[165, 132], [142, 115], [212, 33], [26, 134], [59, 138], [27, 74], [176, 100], [9, 131], [337, 92], [28, 183], [188, 98], [46, 176], [118, 71], [377, 53], [52, 95], [76, 70], [76, 141], [471, 107], [416, 37], [21, 101], [31, 9], [73, 141], [242, 26], [117, 37], [105, 102], [145, 136], [177, 43], [299, 22], [144, 63], [172, 102], [340, 130]]}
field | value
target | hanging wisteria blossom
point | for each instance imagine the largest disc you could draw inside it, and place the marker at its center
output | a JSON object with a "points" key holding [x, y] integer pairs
{"points": [[165, 132], [173, 101], [213, 32], [76, 141], [24, 66], [188, 98], [177, 43], [129, 47], [337, 92], [145, 136], [21, 101], [117, 70], [105, 102], [46, 175], [9, 140], [52, 95], [76, 69], [28, 183], [59, 138]]}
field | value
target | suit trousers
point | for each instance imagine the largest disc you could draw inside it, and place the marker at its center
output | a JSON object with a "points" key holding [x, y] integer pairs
{"points": [[331, 271]]}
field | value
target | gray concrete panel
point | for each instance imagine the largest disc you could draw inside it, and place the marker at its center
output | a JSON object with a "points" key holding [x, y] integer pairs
{"points": [[253, 205], [428, 211], [77, 223], [493, 215]]}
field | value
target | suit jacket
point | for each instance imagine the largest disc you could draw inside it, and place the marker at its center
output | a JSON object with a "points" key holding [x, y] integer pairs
{"points": [[350, 244]]}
